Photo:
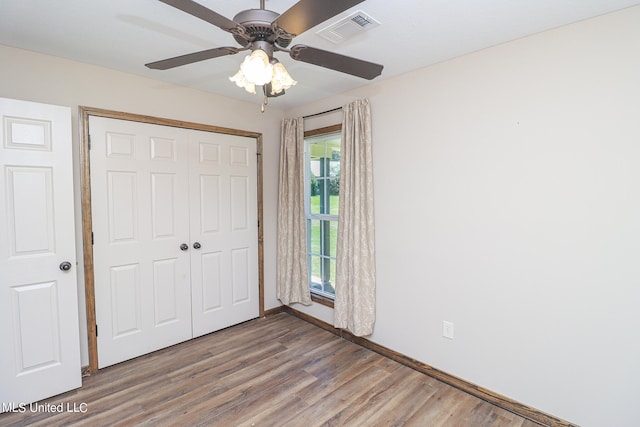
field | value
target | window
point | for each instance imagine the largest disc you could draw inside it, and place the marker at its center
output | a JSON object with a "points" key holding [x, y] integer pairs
{"points": [[322, 188]]}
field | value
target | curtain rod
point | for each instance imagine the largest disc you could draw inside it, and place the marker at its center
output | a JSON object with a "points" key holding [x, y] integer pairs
{"points": [[323, 112]]}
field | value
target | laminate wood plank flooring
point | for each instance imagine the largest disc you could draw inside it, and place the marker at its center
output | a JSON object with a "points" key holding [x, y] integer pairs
{"points": [[278, 371]]}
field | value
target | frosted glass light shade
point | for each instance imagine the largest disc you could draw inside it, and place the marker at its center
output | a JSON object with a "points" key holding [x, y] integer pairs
{"points": [[257, 68], [240, 80], [281, 79]]}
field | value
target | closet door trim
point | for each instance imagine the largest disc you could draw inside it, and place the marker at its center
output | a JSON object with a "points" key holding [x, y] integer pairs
{"points": [[85, 182]]}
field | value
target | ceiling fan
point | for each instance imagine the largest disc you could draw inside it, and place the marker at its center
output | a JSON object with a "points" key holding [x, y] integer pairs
{"points": [[264, 32]]}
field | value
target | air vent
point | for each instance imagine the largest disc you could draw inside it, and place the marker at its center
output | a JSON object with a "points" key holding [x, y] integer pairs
{"points": [[348, 27]]}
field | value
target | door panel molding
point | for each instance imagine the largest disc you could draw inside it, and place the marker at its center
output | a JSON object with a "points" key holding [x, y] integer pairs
{"points": [[163, 150]]}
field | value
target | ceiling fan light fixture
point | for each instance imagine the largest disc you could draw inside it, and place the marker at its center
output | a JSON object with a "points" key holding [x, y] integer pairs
{"points": [[259, 69], [241, 81], [281, 79]]}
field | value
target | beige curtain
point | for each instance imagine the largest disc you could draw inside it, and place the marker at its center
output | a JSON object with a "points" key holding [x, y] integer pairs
{"points": [[292, 271], [354, 305]]}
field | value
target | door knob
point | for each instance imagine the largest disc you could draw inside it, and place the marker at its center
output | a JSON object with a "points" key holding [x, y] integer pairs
{"points": [[197, 245], [184, 247], [65, 266]]}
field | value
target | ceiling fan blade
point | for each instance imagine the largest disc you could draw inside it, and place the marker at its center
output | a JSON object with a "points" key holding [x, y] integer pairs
{"points": [[334, 61], [190, 58], [308, 13], [199, 11]]}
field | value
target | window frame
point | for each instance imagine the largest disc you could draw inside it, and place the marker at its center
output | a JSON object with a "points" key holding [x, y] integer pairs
{"points": [[319, 297]]}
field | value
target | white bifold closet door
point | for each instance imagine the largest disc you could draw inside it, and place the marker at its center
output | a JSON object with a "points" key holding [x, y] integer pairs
{"points": [[174, 215], [40, 350]]}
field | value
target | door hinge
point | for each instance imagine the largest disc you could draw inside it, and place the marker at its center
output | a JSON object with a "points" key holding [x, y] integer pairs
{"points": [[96, 329], [92, 237], [89, 142]]}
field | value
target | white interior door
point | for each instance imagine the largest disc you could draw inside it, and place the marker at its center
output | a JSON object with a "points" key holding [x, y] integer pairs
{"points": [[139, 204], [224, 222], [40, 354]]}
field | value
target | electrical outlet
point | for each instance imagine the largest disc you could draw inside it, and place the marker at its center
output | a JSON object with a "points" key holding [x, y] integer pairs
{"points": [[447, 329]]}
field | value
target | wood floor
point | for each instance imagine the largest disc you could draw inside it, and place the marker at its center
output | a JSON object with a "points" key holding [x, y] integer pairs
{"points": [[278, 371]]}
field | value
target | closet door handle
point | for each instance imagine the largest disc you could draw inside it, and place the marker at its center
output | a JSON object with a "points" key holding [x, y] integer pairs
{"points": [[65, 266], [197, 245], [184, 247]]}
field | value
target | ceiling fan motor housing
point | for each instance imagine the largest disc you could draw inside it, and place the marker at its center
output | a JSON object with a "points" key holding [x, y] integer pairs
{"points": [[257, 24]]}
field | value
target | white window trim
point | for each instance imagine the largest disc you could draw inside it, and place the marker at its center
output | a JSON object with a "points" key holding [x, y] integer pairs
{"points": [[307, 204]]}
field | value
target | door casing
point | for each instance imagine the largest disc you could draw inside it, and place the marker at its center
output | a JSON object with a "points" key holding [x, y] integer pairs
{"points": [[87, 226]]}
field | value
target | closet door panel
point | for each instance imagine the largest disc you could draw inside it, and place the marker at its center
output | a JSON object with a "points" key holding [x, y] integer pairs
{"points": [[140, 214], [210, 264], [223, 193]]}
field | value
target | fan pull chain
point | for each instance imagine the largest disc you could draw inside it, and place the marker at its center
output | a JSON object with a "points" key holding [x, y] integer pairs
{"points": [[265, 100]]}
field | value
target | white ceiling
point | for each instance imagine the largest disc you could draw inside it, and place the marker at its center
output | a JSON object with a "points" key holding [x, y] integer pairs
{"points": [[126, 34]]}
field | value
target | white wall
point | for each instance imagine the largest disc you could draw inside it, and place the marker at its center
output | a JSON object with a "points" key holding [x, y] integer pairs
{"points": [[507, 187], [42, 78]]}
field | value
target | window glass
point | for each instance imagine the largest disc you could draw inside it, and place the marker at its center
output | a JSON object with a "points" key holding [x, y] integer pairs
{"points": [[333, 229], [322, 201], [314, 237]]}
